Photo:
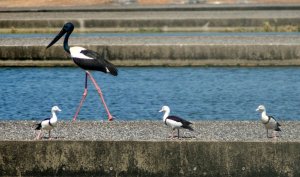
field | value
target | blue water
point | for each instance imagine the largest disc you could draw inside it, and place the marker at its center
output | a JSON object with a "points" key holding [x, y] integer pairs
{"points": [[195, 93]]}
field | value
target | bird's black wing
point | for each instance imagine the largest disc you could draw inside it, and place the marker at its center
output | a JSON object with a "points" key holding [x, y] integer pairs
{"points": [[38, 126], [102, 60], [47, 119], [185, 123], [271, 117], [277, 124], [178, 119]]}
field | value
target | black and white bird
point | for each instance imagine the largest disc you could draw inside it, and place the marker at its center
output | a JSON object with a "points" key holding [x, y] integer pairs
{"points": [[87, 60], [174, 121], [49, 123], [269, 121]]}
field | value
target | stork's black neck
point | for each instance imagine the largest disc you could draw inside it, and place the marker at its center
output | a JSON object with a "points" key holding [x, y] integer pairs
{"points": [[66, 44]]}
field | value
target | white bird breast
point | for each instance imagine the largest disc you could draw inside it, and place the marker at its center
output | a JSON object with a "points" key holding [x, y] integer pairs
{"points": [[75, 53], [45, 125], [271, 124]]}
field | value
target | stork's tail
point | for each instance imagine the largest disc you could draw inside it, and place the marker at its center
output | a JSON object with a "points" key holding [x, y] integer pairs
{"points": [[112, 69]]}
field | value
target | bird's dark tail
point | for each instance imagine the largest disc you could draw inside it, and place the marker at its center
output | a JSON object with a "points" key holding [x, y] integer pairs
{"points": [[187, 125], [189, 128], [112, 69], [38, 126], [277, 128]]}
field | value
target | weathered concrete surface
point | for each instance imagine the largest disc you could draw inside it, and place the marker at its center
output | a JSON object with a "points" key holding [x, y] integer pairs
{"points": [[34, 5], [173, 55], [183, 50], [217, 131], [157, 25], [165, 18], [149, 7], [143, 148], [149, 158]]}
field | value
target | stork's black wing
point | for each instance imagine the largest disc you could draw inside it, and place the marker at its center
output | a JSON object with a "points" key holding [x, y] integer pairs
{"points": [[103, 64]]}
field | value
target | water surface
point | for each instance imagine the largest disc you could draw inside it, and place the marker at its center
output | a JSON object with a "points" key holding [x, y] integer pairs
{"points": [[195, 93]]}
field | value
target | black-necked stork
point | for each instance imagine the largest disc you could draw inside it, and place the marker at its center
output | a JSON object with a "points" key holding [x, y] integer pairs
{"points": [[87, 60], [269, 122], [174, 121], [49, 123]]}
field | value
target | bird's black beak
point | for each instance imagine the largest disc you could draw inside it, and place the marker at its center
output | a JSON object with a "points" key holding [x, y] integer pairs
{"points": [[60, 34]]}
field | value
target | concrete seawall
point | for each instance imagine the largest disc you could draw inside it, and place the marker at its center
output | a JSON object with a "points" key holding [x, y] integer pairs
{"points": [[227, 50], [172, 55], [185, 50], [149, 158], [156, 25], [155, 18]]}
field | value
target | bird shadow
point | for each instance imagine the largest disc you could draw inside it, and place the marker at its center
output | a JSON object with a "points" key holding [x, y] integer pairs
{"points": [[182, 137], [52, 138]]}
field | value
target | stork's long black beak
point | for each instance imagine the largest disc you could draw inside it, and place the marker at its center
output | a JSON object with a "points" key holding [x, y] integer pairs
{"points": [[60, 34]]}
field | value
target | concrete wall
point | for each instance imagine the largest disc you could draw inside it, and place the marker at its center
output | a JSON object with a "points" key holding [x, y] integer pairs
{"points": [[16, 3], [149, 23], [138, 158], [87, 25], [176, 55], [45, 21]]}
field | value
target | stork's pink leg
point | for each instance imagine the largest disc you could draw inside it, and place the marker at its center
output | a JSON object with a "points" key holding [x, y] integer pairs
{"points": [[83, 97], [100, 94]]}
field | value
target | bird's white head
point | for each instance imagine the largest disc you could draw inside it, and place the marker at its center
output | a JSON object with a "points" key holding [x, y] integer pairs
{"points": [[165, 109], [55, 109], [261, 108]]}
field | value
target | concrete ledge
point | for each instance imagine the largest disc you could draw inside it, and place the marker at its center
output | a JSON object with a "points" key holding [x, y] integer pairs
{"points": [[149, 158], [152, 23], [218, 49], [169, 7], [155, 25], [161, 55], [147, 63], [155, 18]]}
